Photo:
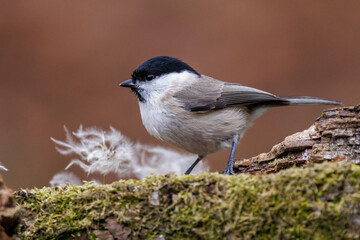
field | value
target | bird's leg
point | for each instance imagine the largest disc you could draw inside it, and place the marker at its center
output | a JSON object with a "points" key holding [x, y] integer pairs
{"points": [[230, 165], [193, 165]]}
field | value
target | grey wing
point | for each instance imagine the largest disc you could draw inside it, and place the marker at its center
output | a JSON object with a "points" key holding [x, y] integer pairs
{"points": [[209, 94]]}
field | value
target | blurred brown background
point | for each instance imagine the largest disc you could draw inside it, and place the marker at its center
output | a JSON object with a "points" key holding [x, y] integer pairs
{"points": [[61, 62]]}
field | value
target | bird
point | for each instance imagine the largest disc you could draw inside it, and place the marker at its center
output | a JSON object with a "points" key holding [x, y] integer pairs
{"points": [[198, 113]]}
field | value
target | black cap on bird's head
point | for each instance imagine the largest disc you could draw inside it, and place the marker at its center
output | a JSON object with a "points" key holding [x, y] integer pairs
{"points": [[155, 67], [161, 65]]}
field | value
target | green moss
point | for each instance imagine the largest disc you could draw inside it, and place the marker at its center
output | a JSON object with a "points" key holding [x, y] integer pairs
{"points": [[322, 202]]}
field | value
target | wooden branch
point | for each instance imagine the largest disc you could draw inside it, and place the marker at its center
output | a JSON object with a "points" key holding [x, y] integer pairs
{"points": [[335, 136]]}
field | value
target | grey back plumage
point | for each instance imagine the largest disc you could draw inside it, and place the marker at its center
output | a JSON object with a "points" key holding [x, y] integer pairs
{"points": [[209, 94]]}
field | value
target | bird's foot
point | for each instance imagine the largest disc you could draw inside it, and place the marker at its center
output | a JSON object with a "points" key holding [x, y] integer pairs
{"points": [[188, 171], [229, 170]]}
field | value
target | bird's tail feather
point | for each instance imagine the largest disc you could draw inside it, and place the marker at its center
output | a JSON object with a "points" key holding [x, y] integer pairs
{"points": [[309, 100]]}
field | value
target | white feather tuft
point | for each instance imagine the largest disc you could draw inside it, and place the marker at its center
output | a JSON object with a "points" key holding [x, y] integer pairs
{"points": [[109, 151]]}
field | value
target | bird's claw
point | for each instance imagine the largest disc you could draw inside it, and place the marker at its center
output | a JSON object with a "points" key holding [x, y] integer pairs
{"points": [[229, 171]]}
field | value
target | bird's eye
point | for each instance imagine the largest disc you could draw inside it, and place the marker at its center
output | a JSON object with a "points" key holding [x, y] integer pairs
{"points": [[149, 77]]}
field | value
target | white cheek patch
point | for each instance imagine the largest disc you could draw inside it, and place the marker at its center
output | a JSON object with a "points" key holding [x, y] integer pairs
{"points": [[153, 90]]}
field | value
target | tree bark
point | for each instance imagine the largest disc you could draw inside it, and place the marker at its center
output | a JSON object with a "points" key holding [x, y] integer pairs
{"points": [[8, 212], [335, 136]]}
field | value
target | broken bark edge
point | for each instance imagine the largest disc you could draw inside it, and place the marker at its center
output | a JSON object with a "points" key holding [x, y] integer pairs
{"points": [[335, 136]]}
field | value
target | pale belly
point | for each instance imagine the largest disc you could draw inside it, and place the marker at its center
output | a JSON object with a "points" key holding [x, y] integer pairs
{"points": [[199, 133]]}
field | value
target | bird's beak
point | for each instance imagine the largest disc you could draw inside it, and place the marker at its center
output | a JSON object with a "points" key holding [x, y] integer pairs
{"points": [[128, 83]]}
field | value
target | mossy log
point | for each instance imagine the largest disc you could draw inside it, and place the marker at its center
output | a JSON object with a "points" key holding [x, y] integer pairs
{"points": [[315, 201], [320, 202]]}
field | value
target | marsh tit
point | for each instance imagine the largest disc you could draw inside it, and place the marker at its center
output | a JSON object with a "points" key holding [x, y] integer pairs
{"points": [[198, 113]]}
